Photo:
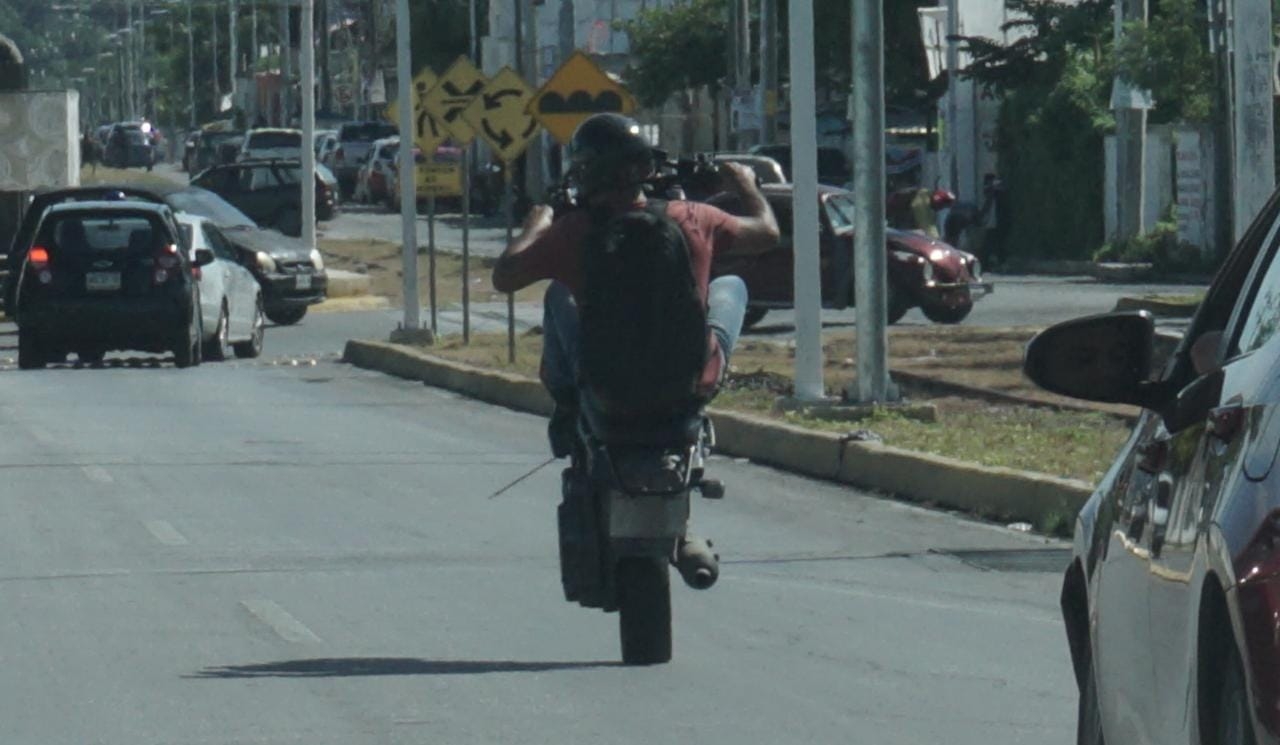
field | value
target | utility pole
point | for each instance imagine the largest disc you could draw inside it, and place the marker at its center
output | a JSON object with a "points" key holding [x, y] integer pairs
{"points": [[142, 57], [191, 65], [953, 94], [1252, 60], [217, 82], [742, 66], [130, 87], [804, 169], [235, 52], [408, 184], [869, 259], [533, 156], [1130, 105], [286, 65], [326, 76], [307, 63], [1223, 132], [769, 70]]}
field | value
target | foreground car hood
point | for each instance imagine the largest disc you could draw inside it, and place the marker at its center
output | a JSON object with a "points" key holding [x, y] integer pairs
{"points": [[275, 244]]}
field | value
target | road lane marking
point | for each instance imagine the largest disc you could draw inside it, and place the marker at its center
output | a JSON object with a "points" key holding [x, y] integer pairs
{"points": [[162, 531], [42, 436], [98, 474], [286, 626]]}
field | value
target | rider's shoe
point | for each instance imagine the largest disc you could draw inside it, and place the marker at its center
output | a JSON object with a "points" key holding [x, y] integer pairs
{"points": [[698, 565]]}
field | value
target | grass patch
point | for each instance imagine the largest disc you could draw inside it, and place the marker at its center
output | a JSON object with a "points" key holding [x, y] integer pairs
{"points": [[381, 260], [1190, 301], [90, 176], [1069, 444]]}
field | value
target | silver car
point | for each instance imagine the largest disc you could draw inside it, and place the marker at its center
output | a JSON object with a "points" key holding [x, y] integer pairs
{"points": [[230, 297]]}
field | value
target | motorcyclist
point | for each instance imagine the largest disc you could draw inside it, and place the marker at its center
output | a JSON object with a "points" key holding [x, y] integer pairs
{"points": [[609, 163]]}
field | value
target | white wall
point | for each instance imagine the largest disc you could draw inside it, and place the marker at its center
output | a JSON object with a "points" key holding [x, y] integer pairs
{"points": [[1159, 173]]}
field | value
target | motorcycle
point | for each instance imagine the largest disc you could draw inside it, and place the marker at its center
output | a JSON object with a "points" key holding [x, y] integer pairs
{"points": [[624, 517]]}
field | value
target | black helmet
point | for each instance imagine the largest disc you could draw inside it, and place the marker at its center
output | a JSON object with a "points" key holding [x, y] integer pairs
{"points": [[608, 152]]}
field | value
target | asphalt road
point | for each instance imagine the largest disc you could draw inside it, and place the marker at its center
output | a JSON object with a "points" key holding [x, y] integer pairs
{"points": [[257, 552]]}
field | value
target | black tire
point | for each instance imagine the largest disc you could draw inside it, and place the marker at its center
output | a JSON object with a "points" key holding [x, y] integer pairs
{"points": [[644, 610], [91, 356], [899, 304], [253, 347], [287, 316], [943, 314], [1089, 717], [30, 355], [753, 316], [219, 348], [1233, 724], [186, 353]]}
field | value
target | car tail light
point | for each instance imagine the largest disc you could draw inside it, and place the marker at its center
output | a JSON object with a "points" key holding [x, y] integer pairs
{"points": [[166, 261], [38, 257]]}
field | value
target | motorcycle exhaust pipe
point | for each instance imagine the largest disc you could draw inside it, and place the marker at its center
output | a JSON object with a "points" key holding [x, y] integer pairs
{"points": [[699, 567]]}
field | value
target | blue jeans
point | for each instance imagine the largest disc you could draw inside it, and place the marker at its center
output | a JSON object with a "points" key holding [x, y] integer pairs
{"points": [[726, 307]]}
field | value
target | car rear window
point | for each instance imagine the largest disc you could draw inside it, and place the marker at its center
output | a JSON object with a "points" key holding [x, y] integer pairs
{"points": [[365, 132], [261, 140], [80, 233]]}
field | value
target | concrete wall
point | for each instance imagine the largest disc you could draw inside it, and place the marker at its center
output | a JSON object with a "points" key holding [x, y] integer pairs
{"points": [[1160, 179]]}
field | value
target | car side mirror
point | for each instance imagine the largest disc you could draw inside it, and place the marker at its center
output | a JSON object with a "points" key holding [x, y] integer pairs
{"points": [[204, 257], [1105, 358]]}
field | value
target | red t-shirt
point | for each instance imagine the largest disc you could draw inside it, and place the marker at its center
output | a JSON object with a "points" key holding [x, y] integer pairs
{"points": [[557, 254]]}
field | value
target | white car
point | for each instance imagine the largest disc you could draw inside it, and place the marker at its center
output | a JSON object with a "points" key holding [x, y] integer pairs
{"points": [[271, 143], [230, 297]]}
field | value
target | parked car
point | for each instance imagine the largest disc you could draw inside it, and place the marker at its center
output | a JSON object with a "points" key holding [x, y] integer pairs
{"points": [[326, 144], [231, 310], [270, 143], [129, 146], [392, 200], [767, 170], [268, 191], [291, 275], [834, 168], [102, 276], [210, 147], [1171, 600], [373, 185], [355, 139], [923, 272]]}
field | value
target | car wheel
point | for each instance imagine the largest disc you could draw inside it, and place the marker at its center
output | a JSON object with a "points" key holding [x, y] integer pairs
{"points": [[30, 355], [754, 316], [943, 314], [1089, 717], [219, 348], [287, 316], [186, 353], [1233, 725], [253, 347], [899, 303], [91, 356]]}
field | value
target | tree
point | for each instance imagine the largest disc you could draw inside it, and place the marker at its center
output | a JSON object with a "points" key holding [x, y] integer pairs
{"points": [[1170, 57], [677, 50]]}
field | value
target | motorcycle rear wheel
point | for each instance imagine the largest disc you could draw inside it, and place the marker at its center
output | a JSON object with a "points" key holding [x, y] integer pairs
{"points": [[644, 610]]}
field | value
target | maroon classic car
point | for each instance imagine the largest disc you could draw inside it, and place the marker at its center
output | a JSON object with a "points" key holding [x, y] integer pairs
{"points": [[924, 272]]}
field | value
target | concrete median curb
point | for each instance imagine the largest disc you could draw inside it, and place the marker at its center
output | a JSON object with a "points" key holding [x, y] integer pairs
{"points": [[347, 284], [1003, 494]]}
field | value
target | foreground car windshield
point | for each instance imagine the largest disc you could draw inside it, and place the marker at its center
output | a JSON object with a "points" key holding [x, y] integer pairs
{"points": [[211, 206]]}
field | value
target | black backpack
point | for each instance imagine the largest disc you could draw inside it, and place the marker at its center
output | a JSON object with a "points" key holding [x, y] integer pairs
{"points": [[644, 323]]}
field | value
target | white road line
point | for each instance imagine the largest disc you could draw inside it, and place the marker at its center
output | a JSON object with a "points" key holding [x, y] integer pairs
{"points": [[165, 533], [42, 436], [98, 474], [286, 626]]}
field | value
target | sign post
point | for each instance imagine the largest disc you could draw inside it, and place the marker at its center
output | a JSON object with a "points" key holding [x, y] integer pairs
{"points": [[500, 116], [461, 83]]}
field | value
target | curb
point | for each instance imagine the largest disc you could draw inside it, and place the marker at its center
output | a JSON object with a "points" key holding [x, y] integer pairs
{"points": [[343, 284], [348, 304], [1002, 494]]}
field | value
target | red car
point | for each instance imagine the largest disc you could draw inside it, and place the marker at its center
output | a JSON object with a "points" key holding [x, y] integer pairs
{"points": [[924, 272], [1171, 599]]}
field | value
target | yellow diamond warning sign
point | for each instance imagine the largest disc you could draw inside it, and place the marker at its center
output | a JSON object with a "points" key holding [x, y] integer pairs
{"points": [[446, 102], [427, 132], [576, 91], [499, 114]]}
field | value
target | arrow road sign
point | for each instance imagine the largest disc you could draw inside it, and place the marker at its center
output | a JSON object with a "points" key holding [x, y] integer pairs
{"points": [[458, 86], [576, 91], [499, 114]]}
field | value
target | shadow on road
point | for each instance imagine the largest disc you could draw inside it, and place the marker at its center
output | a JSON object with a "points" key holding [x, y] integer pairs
{"points": [[343, 667]]}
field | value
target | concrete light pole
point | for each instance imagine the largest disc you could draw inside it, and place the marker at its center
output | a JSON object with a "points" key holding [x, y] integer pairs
{"points": [[191, 64], [307, 49], [1130, 106], [408, 185], [804, 169]]}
